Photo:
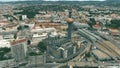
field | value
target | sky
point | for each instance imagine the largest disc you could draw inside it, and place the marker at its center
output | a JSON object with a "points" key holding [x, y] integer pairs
{"points": [[51, 0]]}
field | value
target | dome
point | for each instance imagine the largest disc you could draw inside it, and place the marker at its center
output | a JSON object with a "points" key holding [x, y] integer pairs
{"points": [[69, 20]]}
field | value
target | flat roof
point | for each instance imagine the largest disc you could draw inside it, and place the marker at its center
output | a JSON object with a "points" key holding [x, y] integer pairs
{"points": [[4, 43], [18, 41]]}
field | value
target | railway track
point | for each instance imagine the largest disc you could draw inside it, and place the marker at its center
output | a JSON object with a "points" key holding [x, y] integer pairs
{"points": [[111, 52], [106, 46], [103, 49]]}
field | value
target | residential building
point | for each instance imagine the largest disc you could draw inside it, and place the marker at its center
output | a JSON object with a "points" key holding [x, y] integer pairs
{"points": [[19, 49]]}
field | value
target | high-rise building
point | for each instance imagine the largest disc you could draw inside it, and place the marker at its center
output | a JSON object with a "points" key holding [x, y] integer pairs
{"points": [[69, 21], [19, 49]]}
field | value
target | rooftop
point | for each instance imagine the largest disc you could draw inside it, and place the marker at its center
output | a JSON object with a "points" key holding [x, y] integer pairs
{"points": [[4, 43], [18, 41]]}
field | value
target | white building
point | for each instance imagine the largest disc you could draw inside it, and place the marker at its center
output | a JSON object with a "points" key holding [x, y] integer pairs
{"points": [[4, 43], [24, 17], [43, 32]]}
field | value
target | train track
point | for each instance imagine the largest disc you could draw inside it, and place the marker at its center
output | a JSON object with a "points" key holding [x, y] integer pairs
{"points": [[103, 49], [110, 51], [105, 46]]}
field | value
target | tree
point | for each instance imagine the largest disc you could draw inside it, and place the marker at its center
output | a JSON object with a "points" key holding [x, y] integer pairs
{"points": [[42, 46], [3, 51], [115, 23], [11, 20], [1, 55], [26, 26], [34, 53], [87, 54], [92, 22], [19, 28], [28, 42], [74, 43], [15, 35]]}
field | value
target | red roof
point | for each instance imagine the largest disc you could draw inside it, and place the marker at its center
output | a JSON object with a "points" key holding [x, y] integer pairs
{"points": [[97, 25], [18, 41], [3, 21]]}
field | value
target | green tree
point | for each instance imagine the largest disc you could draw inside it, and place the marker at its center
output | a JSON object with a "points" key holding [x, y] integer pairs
{"points": [[19, 28], [3, 51], [26, 26], [42, 46], [92, 22], [34, 53], [115, 23], [15, 35], [87, 54]]}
